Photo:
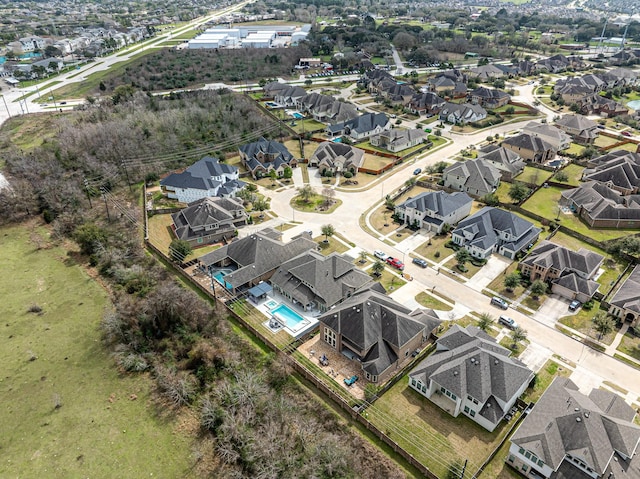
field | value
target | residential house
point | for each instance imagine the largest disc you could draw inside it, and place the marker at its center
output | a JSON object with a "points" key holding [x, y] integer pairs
{"points": [[209, 220], [494, 230], [622, 77], [246, 262], [426, 103], [619, 170], [361, 127], [559, 63], [431, 210], [325, 108], [488, 72], [555, 137], [570, 273], [578, 127], [602, 207], [470, 373], [530, 148], [599, 105], [488, 97], [317, 282], [376, 332], [451, 82], [371, 78], [461, 114], [28, 44], [396, 140], [507, 161], [206, 177], [568, 434], [337, 158], [392, 91], [284, 97], [625, 303], [262, 156], [477, 177]]}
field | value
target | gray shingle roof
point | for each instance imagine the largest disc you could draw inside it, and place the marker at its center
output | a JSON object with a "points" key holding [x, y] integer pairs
{"points": [[603, 203], [364, 123], [191, 221], [256, 255], [198, 175], [374, 323], [528, 142], [439, 202], [469, 362], [331, 278], [566, 422], [548, 254], [479, 174], [505, 159], [621, 169], [628, 295]]}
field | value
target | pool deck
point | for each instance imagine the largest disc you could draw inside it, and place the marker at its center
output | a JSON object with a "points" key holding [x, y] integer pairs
{"points": [[267, 305]]}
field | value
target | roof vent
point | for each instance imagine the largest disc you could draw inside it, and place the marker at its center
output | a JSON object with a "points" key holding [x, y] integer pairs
{"points": [[586, 414], [496, 362], [489, 405], [357, 310], [455, 373], [578, 419], [577, 409]]}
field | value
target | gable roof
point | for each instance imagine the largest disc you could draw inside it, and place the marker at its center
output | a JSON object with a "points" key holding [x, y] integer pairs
{"points": [[566, 422], [479, 174], [503, 158], [192, 220], [439, 202], [620, 168], [555, 136], [364, 123], [467, 361], [312, 274], [603, 203], [199, 175], [628, 295], [267, 147], [329, 151], [463, 111], [551, 255], [576, 122], [399, 136], [256, 255], [489, 93], [379, 326], [528, 142]]}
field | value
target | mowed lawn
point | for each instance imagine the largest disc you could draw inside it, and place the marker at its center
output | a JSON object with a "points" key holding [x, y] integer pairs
{"points": [[100, 429], [429, 433]]}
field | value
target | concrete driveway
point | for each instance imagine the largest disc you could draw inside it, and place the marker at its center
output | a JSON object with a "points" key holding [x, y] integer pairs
{"points": [[535, 356], [495, 266], [553, 308]]}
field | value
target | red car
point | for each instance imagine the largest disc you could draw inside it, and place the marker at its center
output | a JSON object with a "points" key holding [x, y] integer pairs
{"points": [[396, 263], [626, 133]]}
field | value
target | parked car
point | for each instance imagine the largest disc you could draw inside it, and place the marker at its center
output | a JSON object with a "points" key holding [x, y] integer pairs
{"points": [[420, 262], [351, 380], [508, 322], [575, 304], [396, 263], [626, 133], [380, 255], [427, 130], [499, 302], [417, 171]]}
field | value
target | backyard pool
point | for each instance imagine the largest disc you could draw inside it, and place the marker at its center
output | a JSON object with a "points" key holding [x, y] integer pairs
{"points": [[337, 140], [272, 104], [297, 116], [220, 274], [556, 163], [634, 104], [271, 304], [292, 319]]}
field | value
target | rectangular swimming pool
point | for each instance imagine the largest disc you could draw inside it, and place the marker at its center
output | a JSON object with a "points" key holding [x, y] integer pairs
{"points": [[292, 319], [298, 116]]}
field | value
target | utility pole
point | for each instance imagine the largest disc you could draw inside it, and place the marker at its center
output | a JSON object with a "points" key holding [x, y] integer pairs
{"points": [[86, 189], [122, 164], [106, 204]]}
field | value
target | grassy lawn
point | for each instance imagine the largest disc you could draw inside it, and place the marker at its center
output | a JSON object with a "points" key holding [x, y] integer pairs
{"points": [[603, 141], [99, 427], [532, 303], [333, 245], [574, 172], [497, 284], [533, 175], [632, 147], [359, 181], [429, 433], [503, 192], [306, 125], [316, 204], [471, 268], [428, 249], [544, 377], [373, 162], [430, 301], [516, 349], [382, 222], [630, 345], [581, 321], [574, 149], [389, 280], [160, 233]]}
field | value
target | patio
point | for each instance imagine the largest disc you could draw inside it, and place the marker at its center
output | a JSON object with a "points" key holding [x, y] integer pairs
{"points": [[339, 367]]}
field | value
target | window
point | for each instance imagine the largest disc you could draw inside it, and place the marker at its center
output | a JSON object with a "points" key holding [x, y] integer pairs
{"points": [[424, 389], [527, 455], [472, 413], [466, 409], [524, 468], [374, 378], [330, 337], [511, 458], [413, 382], [521, 451], [199, 240], [540, 462]]}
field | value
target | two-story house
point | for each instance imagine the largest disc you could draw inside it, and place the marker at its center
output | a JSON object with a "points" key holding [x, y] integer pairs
{"points": [[579, 127], [361, 127], [530, 148], [262, 156], [206, 177], [494, 230], [476, 177], [396, 140], [431, 210], [507, 161], [336, 158], [470, 374], [462, 113]]}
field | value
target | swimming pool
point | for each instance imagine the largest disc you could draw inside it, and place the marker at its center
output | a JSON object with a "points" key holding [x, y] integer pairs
{"points": [[337, 140], [297, 115], [272, 104], [220, 274], [555, 163], [635, 104], [292, 319], [271, 304]]}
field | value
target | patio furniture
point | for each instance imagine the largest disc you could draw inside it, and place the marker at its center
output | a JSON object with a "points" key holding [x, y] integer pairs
{"points": [[324, 361], [351, 380]]}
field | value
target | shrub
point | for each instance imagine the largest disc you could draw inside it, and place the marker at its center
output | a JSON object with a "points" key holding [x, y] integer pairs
{"points": [[34, 308], [347, 174], [588, 306], [436, 254]]}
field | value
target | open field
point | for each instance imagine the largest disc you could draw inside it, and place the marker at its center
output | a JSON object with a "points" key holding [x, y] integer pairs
{"points": [[104, 421]]}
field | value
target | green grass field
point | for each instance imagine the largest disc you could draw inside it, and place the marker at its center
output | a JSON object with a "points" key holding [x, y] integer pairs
{"points": [[57, 356]]}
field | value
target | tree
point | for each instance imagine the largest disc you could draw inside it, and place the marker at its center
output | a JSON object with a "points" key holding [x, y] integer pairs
{"points": [[363, 256], [51, 51], [538, 288], [602, 323], [512, 281], [518, 192], [561, 176], [377, 267], [462, 256], [306, 192], [455, 470], [328, 231], [260, 204], [389, 203], [89, 237], [308, 82], [287, 173], [491, 199], [328, 194], [517, 335], [179, 250], [485, 321], [273, 175]]}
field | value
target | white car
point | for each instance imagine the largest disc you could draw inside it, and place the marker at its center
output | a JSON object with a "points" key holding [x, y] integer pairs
{"points": [[380, 255]]}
